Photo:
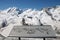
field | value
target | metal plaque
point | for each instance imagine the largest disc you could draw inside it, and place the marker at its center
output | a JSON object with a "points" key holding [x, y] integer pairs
{"points": [[33, 31]]}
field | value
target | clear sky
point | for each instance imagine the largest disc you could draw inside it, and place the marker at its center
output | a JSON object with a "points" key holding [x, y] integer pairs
{"points": [[28, 3]]}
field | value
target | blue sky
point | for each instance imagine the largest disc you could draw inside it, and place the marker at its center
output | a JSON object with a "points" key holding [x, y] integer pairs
{"points": [[38, 4]]}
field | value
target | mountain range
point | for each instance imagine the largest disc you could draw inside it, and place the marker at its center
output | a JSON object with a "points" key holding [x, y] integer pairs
{"points": [[17, 16]]}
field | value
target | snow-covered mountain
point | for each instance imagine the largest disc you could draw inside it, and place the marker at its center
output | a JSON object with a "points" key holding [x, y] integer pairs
{"points": [[16, 16]]}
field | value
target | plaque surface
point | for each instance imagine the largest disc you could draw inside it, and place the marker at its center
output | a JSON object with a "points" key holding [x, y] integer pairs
{"points": [[32, 31]]}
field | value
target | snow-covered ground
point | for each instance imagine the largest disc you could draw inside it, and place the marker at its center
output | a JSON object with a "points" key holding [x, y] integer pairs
{"points": [[16, 16]]}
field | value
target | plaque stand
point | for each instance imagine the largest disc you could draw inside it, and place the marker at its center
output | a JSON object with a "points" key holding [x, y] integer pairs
{"points": [[36, 31]]}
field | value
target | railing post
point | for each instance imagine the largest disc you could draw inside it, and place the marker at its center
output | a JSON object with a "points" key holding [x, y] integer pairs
{"points": [[43, 38], [19, 38]]}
